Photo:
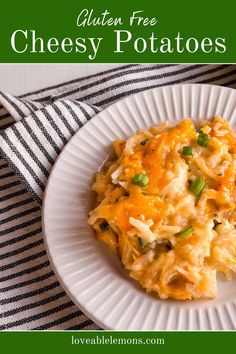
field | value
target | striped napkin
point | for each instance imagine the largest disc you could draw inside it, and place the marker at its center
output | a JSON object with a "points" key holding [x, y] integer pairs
{"points": [[34, 129]]}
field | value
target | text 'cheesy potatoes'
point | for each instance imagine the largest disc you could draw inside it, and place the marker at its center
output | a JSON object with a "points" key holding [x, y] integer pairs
{"points": [[166, 205]]}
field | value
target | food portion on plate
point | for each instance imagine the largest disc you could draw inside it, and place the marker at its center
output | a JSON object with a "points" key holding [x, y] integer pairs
{"points": [[166, 205]]}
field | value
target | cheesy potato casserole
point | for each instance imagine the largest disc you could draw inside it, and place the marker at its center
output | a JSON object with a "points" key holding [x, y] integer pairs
{"points": [[166, 205]]}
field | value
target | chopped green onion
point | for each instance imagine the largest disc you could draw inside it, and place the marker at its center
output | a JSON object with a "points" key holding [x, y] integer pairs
{"points": [[203, 139], [140, 179], [186, 232], [216, 223], [188, 150], [144, 142], [142, 242], [104, 226], [197, 186]]}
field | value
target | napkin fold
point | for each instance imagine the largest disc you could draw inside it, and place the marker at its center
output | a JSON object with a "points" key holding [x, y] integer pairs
{"points": [[34, 129]]}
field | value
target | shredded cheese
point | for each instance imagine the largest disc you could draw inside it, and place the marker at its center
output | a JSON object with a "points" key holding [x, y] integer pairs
{"points": [[154, 192]]}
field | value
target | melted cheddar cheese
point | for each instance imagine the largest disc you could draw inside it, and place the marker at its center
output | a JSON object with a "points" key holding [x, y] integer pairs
{"points": [[166, 205]]}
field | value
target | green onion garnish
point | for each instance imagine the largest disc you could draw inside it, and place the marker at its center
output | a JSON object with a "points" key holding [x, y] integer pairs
{"points": [[186, 232], [197, 186], [104, 226], [140, 179], [142, 242], [188, 150], [144, 142], [203, 139]]}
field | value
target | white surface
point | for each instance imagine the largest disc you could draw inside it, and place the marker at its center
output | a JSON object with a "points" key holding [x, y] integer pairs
{"points": [[18, 79], [91, 275]]}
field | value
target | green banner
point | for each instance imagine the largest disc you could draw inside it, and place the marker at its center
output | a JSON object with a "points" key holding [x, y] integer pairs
{"points": [[116, 342], [117, 32]]}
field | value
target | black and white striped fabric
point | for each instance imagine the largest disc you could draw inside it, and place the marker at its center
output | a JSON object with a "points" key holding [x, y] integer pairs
{"points": [[34, 129]]}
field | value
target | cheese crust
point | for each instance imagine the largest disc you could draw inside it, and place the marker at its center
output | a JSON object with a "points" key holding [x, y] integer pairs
{"points": [[172, 239]]}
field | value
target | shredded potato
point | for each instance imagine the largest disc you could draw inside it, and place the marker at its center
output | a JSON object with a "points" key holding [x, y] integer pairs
{"points": [[166, 205]]}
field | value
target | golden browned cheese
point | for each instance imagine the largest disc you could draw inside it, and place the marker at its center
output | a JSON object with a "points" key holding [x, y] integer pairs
{"points": [[166, 205]]}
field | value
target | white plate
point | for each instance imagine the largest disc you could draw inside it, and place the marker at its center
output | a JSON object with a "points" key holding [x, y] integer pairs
{"points": [[91, 275]]}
